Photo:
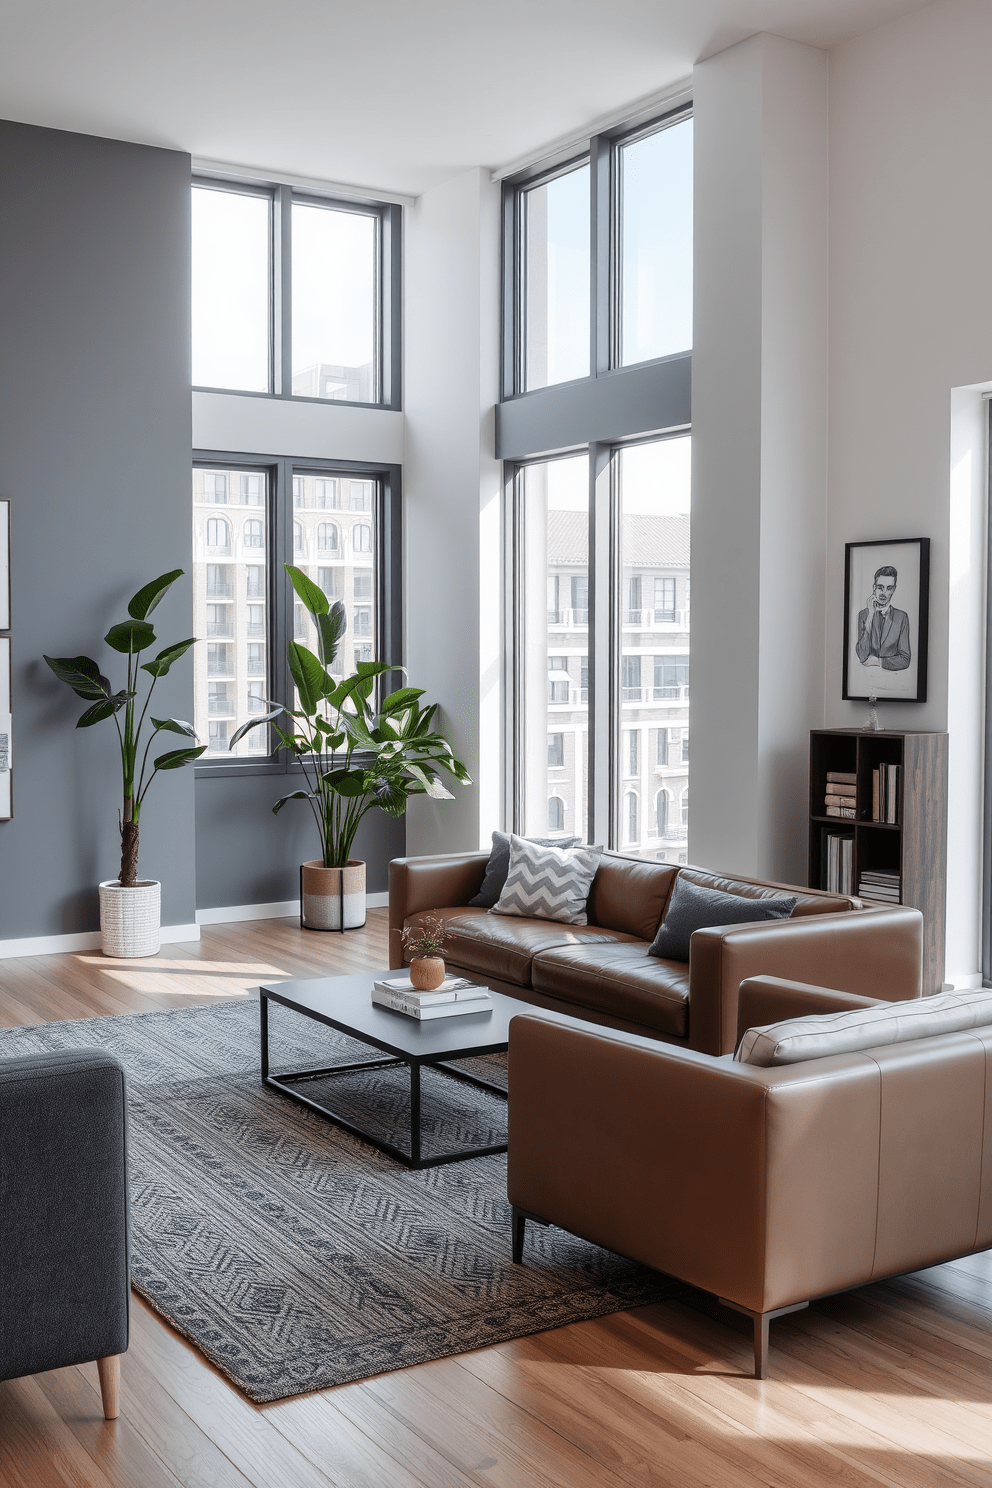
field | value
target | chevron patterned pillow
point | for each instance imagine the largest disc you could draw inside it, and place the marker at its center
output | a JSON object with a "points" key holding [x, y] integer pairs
{"points": [[548, 883]]}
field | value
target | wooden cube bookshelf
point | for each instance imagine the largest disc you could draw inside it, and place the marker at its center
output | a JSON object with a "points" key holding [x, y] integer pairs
{"points": [[915, 846]]}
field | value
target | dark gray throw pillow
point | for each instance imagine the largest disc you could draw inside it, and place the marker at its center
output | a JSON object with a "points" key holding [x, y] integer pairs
{"points": [[695, 907], [499, 866]]}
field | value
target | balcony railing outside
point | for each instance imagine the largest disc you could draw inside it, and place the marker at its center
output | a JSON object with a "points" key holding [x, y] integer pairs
{"points": [[675, 694], [220, 707], [256, 628], [572, 619], [219, 589], [646, 619], [222, 628]]}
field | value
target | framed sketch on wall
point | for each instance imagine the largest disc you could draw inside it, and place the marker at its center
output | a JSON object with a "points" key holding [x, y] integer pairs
{"points": [[6, 761], [886, 614], [4, 564]]}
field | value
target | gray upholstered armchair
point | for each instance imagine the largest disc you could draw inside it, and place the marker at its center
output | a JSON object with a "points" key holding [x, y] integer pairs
{"points": [[64, 1279]]}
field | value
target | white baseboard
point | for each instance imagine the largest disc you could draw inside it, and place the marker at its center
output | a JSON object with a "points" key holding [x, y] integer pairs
{"points": [[84, 940], [277, 910]]}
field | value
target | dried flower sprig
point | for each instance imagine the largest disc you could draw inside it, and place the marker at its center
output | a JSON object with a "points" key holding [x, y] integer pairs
{"points": [[428, 938]]}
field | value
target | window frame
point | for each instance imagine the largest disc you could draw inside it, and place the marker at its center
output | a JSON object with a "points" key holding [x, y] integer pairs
{"points": [[605, 255], [388, 297], [279, 598]]}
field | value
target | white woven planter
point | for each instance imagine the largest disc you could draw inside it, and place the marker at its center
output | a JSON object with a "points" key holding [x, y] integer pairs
{"points": [[130, 918]]}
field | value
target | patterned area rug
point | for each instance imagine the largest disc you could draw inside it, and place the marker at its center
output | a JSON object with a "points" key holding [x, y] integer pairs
{"points": [[296, 1256]]}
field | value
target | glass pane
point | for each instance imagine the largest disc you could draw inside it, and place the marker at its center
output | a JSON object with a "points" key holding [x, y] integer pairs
{"points": [[231, 290], [335, 295], [556, 280], [656, 244], [335, 545], [229, 608], [652, 789], [555, 775]]}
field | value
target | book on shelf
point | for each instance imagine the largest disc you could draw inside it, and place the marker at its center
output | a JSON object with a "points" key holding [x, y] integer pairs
{"points": [[840, 800], [840, 788], [841, 777], [845, 811], [885, 794], [840, 864], [427, 1005]]}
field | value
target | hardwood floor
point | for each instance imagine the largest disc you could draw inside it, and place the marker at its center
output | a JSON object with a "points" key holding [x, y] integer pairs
{"points": [[891, 1384]]}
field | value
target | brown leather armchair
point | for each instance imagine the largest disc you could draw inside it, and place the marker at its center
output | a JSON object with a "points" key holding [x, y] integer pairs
{"points": [[765, 1186]]}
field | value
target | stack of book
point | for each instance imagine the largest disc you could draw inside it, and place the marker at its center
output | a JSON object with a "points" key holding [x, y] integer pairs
{"points": [[885, 794], [840, 865], [885, 887], [841, 798], [455, 995]]}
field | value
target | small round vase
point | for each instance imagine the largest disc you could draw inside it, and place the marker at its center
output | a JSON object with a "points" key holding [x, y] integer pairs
{"points": [[427, 973]]}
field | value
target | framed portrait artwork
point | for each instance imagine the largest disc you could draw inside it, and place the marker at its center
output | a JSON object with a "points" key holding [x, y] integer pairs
{"points": [[886, 613], [6, 763]]}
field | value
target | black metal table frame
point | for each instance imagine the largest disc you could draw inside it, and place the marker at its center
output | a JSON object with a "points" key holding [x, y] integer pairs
{"points": [[284, 1082]]}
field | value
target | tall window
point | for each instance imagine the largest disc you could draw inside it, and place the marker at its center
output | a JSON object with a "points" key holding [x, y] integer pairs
{"points": [[553, 535], [570, 313], [337, 303], [654, 231], [554, 254], [232, 273], [638, 710], [350, 576], [227, 605]]}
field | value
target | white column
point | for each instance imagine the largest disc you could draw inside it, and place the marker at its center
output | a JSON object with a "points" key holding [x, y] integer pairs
{"points": [[452, 495], [759, 451]]}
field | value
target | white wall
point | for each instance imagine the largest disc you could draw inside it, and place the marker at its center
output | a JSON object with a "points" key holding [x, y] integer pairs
{"points": [[910, 321], [452, 494], [759, 451], [302, 430]]}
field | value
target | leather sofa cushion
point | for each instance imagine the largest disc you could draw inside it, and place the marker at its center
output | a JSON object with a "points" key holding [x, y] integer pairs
{"points": [[630, 895], [806, 904], [619, 981], [817, 1037], [504, 947]]}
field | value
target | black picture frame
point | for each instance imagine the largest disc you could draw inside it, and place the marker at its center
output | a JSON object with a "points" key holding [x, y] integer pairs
{"points": [[887, 661]]}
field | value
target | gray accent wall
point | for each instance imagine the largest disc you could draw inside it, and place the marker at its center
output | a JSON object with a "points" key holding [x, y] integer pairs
{"points": [[94, 455], [245, 855]]}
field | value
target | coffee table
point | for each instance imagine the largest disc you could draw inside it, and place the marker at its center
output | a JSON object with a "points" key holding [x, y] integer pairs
{"points": [[345, 1003]]}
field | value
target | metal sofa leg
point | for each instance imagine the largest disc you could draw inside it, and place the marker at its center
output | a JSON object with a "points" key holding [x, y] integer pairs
{"points": [[110, 1385], [761, 1321]]}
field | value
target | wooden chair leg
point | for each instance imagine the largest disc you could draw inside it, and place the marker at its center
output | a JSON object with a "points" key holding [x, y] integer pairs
{"points": [[110, 1385]]}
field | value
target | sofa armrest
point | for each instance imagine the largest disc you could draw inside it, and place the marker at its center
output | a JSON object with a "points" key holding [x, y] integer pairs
{"points": [[877, 955], [757, 1184], [63, 1211], [436, 882], [764, 1000]]}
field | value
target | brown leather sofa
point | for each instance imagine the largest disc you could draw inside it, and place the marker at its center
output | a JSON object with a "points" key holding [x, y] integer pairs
{"points": [[602, 973], [765, 1186]]}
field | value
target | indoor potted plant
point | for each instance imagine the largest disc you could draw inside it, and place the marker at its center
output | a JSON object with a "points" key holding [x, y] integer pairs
{"points": [[130, 908], [426, 942], [353, 756]]}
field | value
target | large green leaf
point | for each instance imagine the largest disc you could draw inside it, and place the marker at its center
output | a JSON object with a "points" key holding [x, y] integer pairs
{"points": [[345, 782], [331, 627], [311, 594], [130, 636], [312, 681], [293, 796], [163, 661], [402, 698], [391, 793], [81, 674], [147, 598], [106, 708], [176, 758], [253, 723], [175, 726]]}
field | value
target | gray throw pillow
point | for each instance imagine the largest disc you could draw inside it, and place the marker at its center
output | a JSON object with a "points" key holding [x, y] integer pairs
{"points": [[499, 866], [548, 883], [694, 907]]}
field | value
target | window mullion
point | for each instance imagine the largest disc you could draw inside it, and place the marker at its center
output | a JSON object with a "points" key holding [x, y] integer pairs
{"points": [[283, 292], [603, 707], [601, 265]]}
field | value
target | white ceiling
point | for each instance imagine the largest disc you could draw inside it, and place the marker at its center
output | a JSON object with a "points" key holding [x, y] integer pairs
{"points": [[398, 94]]}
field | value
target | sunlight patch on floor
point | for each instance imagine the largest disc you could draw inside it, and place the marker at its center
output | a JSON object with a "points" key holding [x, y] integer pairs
{"points": [[195, 967]]}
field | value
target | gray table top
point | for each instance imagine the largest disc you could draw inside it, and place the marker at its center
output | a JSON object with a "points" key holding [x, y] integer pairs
{"points": [[345, 1003]]}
